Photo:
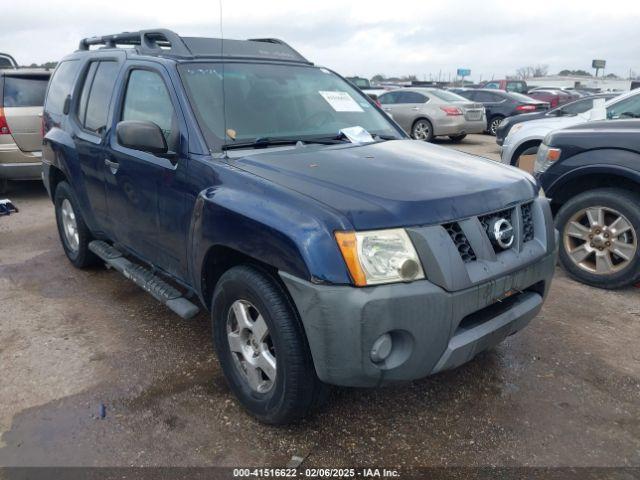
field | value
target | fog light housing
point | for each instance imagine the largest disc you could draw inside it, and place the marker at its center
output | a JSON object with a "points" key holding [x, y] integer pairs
{"points": [[381, 348]]}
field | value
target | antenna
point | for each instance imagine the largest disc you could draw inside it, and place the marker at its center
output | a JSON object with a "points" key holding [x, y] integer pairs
{"points": [[224, 96]]}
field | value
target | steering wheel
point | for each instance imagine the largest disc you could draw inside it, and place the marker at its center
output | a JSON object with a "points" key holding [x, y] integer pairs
{"points": [[317, 119]]}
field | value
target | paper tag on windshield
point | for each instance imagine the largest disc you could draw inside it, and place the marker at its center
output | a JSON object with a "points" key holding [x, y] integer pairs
{"points": [[357, 135], [341, 101]]}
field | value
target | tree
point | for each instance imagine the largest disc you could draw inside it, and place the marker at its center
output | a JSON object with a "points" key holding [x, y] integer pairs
{"points": [[532, 71], [573, 73], [378, 78]]}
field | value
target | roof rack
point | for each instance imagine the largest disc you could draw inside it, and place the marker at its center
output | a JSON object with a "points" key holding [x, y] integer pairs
{"points": [[168, 43]]}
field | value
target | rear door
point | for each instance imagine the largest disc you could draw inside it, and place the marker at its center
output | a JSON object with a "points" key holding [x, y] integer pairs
{"points": [[91, 114], [23, 100]]}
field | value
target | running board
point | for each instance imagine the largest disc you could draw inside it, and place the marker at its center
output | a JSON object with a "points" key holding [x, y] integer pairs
{"points": [[146, 279]]}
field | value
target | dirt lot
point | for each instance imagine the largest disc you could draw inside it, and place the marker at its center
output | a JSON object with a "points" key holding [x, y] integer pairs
{"points": [[565, 391]]}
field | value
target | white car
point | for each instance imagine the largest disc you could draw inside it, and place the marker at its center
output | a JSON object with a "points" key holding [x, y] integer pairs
{"points": [[524, 138]]}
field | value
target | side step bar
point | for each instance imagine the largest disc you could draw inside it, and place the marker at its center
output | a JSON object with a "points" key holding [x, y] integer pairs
{"points": [[146, 279]]}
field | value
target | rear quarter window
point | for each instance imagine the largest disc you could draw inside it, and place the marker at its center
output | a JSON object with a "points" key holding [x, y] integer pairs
{"points": [[24, 91], [61, 85]]}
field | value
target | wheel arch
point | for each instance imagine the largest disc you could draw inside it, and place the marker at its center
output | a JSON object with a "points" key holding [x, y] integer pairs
{"points": [[590, 178], [523, 147]]}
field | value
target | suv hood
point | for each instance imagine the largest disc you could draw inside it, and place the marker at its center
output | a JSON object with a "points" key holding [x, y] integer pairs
{"points": [[394, 183]]}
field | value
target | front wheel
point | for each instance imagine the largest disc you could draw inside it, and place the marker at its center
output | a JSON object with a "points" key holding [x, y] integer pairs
{"points": [[599, 237], [422, 130], [262, 347], [494, 123]]}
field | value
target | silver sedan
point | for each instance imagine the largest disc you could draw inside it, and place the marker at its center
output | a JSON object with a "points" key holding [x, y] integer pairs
{"points": [[425, 113]]}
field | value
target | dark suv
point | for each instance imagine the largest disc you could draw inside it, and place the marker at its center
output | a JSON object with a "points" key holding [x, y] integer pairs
{"points": [[328, 247], [591, 172]]}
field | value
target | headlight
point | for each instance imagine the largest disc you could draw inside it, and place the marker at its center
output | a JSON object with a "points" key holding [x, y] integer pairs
{"points": [[379, 256], [545, 157]]}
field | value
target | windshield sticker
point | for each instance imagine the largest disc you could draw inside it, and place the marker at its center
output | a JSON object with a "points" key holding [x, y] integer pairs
{"points": [[341, 101]]}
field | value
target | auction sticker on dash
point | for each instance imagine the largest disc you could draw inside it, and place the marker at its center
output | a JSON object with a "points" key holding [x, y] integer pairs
{"points": [[341, 101]]}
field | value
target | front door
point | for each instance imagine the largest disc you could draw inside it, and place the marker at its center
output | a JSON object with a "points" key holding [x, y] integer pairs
{"points": [[146, 193]]}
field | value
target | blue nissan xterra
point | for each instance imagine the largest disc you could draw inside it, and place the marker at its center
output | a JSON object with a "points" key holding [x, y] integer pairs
{"points": [[328, 246]]}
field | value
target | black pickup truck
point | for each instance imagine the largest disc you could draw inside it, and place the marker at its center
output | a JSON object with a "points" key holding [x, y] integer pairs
{"points": [[591, 172]]}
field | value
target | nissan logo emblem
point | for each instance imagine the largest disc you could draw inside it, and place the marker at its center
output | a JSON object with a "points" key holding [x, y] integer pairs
{"points": [[502, 233]]}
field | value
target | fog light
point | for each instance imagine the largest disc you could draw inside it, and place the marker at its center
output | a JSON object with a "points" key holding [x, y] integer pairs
{"points": [[409, 269], [381, 348]]}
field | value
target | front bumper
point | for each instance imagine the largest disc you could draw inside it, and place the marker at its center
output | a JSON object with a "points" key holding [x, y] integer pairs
{"points": [[433, 330]]}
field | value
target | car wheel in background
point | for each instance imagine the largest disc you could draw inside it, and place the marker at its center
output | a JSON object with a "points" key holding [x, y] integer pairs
{"points": [[262, 347], [422, 130], [457, 138], [494, 123], [74, 234], [599, 237]]}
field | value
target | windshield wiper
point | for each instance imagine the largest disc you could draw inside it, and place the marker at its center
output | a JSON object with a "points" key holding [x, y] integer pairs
{"points": [[264, 142]]}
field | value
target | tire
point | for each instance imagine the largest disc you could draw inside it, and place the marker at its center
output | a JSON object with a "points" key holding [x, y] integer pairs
{"points": [[294, 389], [77, 250], [597, 242], [493, 124], [457, 138], [422, 129]]}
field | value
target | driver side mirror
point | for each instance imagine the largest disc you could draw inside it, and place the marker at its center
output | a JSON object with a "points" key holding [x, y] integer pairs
{"points": [[143, 136]]}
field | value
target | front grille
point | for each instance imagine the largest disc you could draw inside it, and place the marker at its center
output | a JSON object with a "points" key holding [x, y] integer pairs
{"points": [[487, 220], [527, 222], [461, 242]]}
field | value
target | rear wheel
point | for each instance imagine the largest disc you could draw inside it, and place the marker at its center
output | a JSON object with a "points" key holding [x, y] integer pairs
{"points": [[422, 130], [262, 347], [494, 123], [74, 234], [457, 138], [599, 237]]}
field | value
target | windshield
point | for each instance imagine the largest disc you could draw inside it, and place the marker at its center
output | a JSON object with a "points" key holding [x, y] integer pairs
{"points": [[447, 96], [276, 101]]}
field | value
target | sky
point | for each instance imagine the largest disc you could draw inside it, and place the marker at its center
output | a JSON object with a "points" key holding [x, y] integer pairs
{"points": [[426, 38]]}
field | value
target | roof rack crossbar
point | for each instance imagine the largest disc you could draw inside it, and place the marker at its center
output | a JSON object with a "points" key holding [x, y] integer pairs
{"points": [[146, 42]]}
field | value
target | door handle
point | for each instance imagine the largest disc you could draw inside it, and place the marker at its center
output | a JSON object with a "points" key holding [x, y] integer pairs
{"points": [[415, 109], [113, 166], [386, 109]]}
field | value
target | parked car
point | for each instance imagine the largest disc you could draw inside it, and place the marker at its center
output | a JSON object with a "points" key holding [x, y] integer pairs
{"points": [[572, 93], [579, 106], [317, 254], [591, 172], [554, 98], [21, 99], [7, 61], [500, 105], [517, 86], [426, 113], [524, 138]]}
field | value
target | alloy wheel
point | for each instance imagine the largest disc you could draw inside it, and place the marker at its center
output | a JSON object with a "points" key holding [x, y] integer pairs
{"points": [[251, 346], [421, 130], [600, 240], [493, 128], [69, 225]]}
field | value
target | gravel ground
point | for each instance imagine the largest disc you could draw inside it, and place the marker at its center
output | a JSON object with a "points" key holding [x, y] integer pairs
{"points": [[563, 392]]}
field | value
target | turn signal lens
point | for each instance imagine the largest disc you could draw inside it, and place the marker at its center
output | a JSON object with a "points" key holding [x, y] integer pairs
{"points": [[349, 249], [4, 126]]}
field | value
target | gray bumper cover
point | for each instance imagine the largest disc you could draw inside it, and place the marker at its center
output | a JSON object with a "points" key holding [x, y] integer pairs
{"points": [[342, 323]]}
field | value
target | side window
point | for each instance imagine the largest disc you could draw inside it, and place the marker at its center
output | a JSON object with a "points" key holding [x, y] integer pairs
{"points": [[627, 108], [61, 85], [147, 99], [93, 114], [387, 98], [412, 97], [495, 85], [518, 87], [486, 97]]}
